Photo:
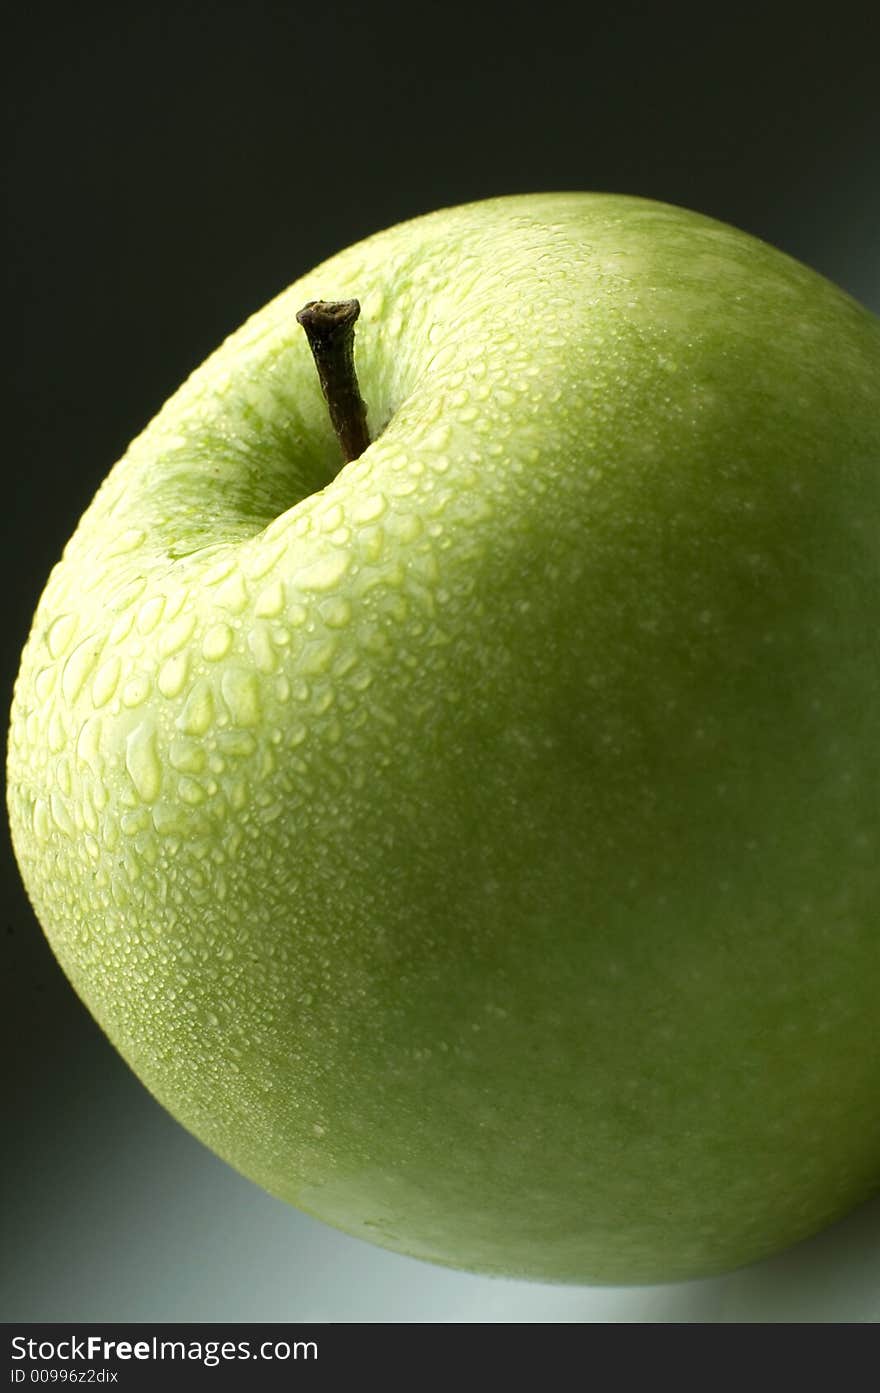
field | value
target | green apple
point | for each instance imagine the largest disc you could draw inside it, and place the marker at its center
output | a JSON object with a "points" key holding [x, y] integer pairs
{"points": [[478, 844]]}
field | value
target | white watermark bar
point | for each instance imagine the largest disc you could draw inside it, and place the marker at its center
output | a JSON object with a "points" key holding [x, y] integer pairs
{"points": [[350, 1356], [189, 1356]]}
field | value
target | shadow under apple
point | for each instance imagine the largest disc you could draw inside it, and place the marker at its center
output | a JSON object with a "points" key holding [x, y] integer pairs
{"points": [[832, 1277]]}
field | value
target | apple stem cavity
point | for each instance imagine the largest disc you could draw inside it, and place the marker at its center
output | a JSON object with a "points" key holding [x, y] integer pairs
{"points": [[329, 326]]}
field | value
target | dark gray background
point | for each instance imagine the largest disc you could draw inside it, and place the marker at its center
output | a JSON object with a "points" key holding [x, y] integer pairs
{"points": [[169, 170]]}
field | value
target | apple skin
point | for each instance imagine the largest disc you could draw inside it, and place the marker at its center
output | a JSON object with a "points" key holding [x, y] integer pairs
{"points": [[478, 845]]}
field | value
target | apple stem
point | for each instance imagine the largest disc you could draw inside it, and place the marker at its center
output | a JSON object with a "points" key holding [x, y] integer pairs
{"points": [[329, 326]]}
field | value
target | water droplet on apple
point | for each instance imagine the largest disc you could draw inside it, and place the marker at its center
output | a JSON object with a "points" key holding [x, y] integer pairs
{"points": [[44, 682], [369, 508], [197, 716], [217, 642], [60, 813], [219, 570], [336, 612], [121, 627], [190, 791], [78, 666], [88, 744], [325, 573], [135, 691], [150, 613], [238, 744], [270, 603], [62, 775], [40, 820], [232, 593], [173, 675], [318, 655], [56, 733], [60, 634], [261, 557], [127, 541], [105, 682], [330, 518], [186, 756], [134, 821], [241, 694], [129, 594], [261, 649], [404, 484], [142, 761], [176, 635]]}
